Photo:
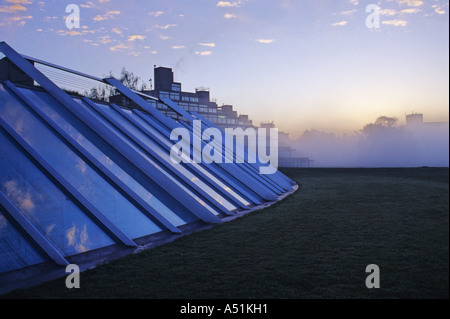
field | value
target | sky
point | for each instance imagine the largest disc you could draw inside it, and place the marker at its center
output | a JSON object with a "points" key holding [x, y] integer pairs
{"points": [[304, 64]]}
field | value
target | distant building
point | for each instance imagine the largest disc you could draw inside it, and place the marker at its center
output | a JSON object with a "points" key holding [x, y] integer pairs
{"points": [[286, 154], [415, 121], [198, 101]]}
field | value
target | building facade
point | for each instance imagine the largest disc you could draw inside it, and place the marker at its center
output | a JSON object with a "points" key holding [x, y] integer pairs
{"points": [[198, 101]]}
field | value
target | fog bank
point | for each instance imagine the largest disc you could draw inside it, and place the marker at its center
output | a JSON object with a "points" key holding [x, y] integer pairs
{"points": [[381, 144]]}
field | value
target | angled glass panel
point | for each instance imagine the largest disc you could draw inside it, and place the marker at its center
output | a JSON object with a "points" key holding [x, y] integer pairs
{"points": [[15, 250], [164, 155], [150, 163], [168, 144], [57, 111], [245, 189], [54, 215], [87, 144], [75, 169]]}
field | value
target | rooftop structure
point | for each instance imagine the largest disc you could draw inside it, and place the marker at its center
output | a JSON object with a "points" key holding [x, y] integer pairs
{"points": [[198, 101]]}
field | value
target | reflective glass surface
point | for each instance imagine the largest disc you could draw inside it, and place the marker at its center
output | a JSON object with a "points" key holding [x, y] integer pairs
{"points": [[76, 170], [15, 251], [50, 211]]}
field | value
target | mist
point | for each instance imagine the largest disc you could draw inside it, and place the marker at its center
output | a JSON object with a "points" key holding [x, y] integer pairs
{"points": [[379, 144]]}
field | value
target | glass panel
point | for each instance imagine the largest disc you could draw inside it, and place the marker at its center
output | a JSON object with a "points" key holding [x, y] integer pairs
{"points": [[76, 171], [15, 251], [157, 135], [152, 162], [76, 128], [165, 157], [56, 217], [147, 196]]}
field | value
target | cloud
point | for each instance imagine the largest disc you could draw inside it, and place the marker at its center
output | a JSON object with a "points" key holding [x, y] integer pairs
{"points": [[438, 9], [210, 44], [99, 18], [167, 26], [91, 42], [88, 5], [48, 19], [135, 37], [388, 12], [412, 3], [73, 32], [229, 16], [339, 24], [17, 20], [177, 47], [349, 12], [392, 12], [105, 39], [395, 23], [156, 13], [354, 2], [117, 31], [227, 4], [265, 41], [108, 15], [21, 18], [20, 21], [410, 10], [19, 1], [12, 8], [164, 37], [119, 47], [22, 200], [203, 53]]}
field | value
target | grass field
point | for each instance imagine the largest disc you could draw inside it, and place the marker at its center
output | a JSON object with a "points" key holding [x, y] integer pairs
{"points": [[316, 243]]}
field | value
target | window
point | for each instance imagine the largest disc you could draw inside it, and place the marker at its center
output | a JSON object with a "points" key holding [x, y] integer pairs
{"points": [[164, 95], [176, 87], [194, 99], [193, 108], [203, 108], [213, 118], [175, 96], [152, 103], [221, 119], [185, 98], [162, 106], [183, 105], [212, 110]]}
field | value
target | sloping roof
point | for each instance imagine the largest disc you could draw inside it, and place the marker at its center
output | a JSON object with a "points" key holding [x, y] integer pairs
{"points": [[78, 175]]}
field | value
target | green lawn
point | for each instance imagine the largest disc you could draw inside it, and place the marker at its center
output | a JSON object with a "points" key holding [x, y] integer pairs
{"points": [[316, 243]]}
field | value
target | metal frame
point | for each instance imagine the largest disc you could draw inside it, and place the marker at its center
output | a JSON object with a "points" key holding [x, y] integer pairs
{"points": [[209, 178], [247, 167], [114, 180], [179, 192], [235, 170], [66, 187], [65, 100], [28, 228], [175, 169], [278, 178], [242, 188]]}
